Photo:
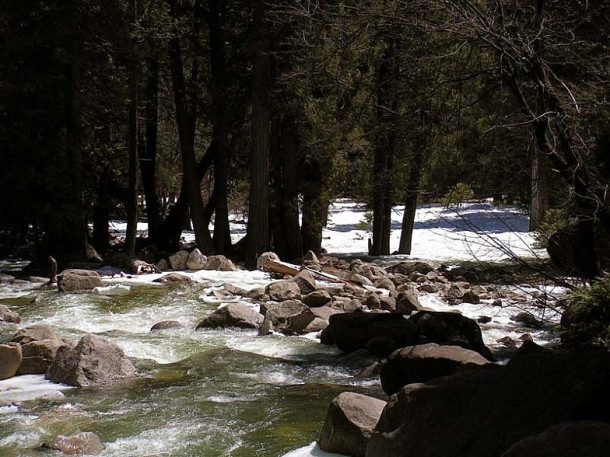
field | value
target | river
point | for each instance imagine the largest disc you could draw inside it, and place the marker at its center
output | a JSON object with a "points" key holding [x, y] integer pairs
{"points": [[200, 393]]}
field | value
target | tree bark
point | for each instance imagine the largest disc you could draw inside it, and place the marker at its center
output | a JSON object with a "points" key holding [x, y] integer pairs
{"points": [[220, 129], [540, 191], [185, 100], [385, 144], [411, 196], [258, 213], [148, 148]]}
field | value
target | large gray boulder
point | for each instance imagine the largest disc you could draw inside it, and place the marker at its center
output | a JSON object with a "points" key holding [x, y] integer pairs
{"points": [[449, 329], [570, 439], [483, 412], [178, 260], [290, 317], [237, 315], [94, 361], [10, 359], [349, 423], [424, 362], [352, 331], [75, 280]]}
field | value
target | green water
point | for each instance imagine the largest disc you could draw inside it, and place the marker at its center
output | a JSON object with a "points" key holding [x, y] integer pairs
{"points": [[200, 393]]}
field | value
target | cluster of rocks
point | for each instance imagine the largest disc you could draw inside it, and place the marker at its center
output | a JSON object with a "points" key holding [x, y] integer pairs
{"points": [[542, 403], [90, 361]]}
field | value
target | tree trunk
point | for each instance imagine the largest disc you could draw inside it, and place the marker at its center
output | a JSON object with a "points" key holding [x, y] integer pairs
{"points": [[101, 214], [411, 196], [258, 212], [285, 227], [385, 145], [540, 191], [315, 214], [148, 149], [186, 100], [220, 130]]}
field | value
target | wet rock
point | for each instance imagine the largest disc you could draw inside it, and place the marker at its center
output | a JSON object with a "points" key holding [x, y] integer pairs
{"points": [[39, 355], [470, 297], [449, 329], [527, 320], [10, 359], [384, 282], [428, 287], [569, 439], [36, 332], [289, 317], [178, 260], [196, 260], [94, 361], [324, 312], [346, 304], [388, 303], [6, 315], [238, 315], [166, 325], [360, 279], [220, 263], [352, 331], [173, 278], [84, 443], [234, 290], [349, 423], [283, 290], [423, 363], [484, 319], [317, 298], [75, 280], [317, 325], [372, 301]]}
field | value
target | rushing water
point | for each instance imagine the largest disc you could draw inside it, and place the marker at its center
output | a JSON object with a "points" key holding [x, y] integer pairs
{"points": [[200, 393]]}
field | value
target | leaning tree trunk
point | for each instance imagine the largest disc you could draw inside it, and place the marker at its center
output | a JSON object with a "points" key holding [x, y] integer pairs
{"points": [[258, 213], [540, 191], [411, 196]]}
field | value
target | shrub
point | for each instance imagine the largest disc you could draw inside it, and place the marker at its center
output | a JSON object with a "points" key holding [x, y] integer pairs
{"points": [[457, 195], [585, 325], [554, 220]]}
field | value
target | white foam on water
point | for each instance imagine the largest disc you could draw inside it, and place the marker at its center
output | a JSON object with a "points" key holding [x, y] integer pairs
{"points": [[29, 387], [312, 450]]}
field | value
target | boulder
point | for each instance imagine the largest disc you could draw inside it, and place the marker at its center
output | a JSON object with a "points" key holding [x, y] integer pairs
{"points": [[36, 332], [352, 331], [346, 304], [38, 355], [196, 260], [349, 423], [260, 262], [10, 359], [6, 315], [449, 329], [317, 298], [423, 363], [237, 315], [283, 290], [305, 280], [173, 278], [569, 439], [94, 361], [178, 260], [290, 317], [74, 280], [407, 302], [317, 325], [324, 312], [483, 412], [84, 443], [220, 263], [311, 259], [163, 265], [166, 325]]}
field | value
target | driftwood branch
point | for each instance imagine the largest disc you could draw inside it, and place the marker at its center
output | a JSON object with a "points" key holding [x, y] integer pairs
{"points": [[53, 276]]}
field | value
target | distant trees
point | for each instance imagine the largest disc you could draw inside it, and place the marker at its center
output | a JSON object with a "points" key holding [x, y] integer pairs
{"points": [[284, 106]]}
